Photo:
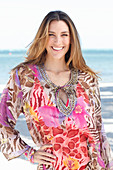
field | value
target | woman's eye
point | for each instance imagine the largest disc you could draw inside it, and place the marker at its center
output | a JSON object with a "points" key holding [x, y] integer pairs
{"points": [[51, 34], [64, 34]]}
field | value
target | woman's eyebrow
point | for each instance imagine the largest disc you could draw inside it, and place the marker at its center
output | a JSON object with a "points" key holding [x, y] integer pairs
{"points": [[61, 32], [51, 31], [65, 32]]}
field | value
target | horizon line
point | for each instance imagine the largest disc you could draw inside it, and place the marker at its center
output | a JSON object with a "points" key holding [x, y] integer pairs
{"points": [[97, 49]]}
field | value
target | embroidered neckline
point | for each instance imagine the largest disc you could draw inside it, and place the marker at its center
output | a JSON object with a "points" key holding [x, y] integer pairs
{"points": [[69, 89]]}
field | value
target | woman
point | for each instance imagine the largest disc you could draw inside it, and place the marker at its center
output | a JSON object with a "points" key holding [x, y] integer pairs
{"points": [[59, 96]]}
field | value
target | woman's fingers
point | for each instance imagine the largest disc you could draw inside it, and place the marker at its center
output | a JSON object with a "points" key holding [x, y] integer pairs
{"points": [[46, 146], [43, 153], [43, 157], [44, 162]]}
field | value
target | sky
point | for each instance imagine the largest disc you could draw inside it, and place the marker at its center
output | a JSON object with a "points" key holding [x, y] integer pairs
{"points": [[20, 20]]}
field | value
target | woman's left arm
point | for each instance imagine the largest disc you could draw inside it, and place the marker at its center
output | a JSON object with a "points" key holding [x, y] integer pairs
{"points": [[102, 146]]}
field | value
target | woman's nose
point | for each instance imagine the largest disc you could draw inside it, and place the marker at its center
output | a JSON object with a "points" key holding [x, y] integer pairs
{"points": [[58, 39]]}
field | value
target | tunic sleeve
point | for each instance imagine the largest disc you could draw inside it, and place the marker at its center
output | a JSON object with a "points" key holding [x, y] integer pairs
{"points": [[11, 105], [102, 151]]}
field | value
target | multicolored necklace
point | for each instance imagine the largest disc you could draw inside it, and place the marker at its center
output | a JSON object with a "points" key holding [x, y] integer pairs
{"points": [[68, 88]]}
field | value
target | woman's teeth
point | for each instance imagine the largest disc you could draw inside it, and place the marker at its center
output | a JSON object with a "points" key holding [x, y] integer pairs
{"points": [[58, 49]]}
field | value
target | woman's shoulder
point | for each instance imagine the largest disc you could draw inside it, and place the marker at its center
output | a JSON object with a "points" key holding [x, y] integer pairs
{"points": [[24, 72], [24, 68], [87, 79]]}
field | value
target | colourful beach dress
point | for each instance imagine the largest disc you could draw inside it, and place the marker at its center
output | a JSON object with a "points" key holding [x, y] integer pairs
{"points": [[74, 128]]}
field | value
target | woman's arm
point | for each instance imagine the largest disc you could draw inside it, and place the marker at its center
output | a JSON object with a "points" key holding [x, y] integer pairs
{"points": [[102, 151], [11, 105], [11, 145]]}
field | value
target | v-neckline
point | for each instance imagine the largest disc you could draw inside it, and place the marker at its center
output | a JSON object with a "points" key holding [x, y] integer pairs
{"points": [[49, 81], [69, 88]]}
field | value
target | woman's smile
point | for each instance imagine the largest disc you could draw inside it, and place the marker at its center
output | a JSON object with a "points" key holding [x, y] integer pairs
{"points": [[57, 48], [59, 40]]}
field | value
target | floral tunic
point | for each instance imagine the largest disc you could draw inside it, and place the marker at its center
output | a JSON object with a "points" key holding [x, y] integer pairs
{"points": [[78, 139]]}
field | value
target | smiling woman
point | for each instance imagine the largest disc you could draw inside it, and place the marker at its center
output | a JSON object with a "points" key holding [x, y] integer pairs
{"points": [[59, 96], [58, 41]]}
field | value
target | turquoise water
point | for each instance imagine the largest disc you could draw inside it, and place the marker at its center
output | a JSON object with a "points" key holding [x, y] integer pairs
{"points": [[98, 60], [101, 61]]}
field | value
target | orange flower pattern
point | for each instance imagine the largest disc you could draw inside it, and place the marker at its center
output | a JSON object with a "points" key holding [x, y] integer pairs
{"points": [[71, 163]]}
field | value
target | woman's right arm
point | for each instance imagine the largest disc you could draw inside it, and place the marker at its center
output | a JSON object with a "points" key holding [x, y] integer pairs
{"points": [[11, 105], [11, 144]]}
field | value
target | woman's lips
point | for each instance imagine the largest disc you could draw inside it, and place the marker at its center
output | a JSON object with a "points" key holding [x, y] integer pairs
{"points": [[57, 48]]}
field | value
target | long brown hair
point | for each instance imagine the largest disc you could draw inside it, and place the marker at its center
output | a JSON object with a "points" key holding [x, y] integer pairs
{"points": [[37, 51]]}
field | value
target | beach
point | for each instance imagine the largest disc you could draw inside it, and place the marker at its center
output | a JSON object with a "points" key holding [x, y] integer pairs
{"points": [[106, 91]]}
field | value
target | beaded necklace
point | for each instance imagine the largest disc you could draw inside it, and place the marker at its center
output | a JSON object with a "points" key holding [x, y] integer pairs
{"points": [[68, 88]]}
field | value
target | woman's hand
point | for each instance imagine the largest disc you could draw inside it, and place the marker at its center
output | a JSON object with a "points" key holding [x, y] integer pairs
{"points": [[43, 157]]}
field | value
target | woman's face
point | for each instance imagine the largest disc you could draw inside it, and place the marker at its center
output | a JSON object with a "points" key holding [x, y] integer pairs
{"points": [[59, 39]]}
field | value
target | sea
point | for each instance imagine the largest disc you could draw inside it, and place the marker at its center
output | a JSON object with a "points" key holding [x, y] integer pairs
{"points": [[99, 60]]}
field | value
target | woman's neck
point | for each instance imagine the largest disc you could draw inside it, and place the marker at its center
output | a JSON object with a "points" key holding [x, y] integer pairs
{"points": [[55, 66]]}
